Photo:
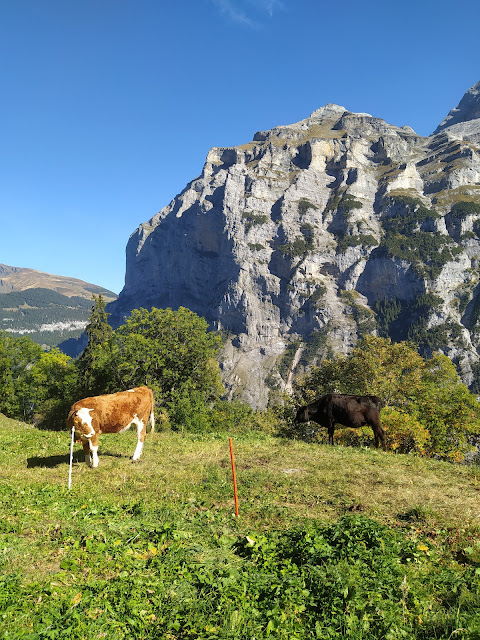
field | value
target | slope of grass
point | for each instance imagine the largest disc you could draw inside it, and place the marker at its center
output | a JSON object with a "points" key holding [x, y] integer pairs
{"points": [[330, 542]]}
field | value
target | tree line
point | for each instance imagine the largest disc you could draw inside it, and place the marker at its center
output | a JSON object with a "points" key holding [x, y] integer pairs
{"points": [[429, 411]]}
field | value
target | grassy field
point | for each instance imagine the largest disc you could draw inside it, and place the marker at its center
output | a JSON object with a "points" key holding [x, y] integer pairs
{"points": [[329, 543]]}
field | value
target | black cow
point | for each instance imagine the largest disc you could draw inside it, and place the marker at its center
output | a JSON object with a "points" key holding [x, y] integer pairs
{"points": [[351, 411]]}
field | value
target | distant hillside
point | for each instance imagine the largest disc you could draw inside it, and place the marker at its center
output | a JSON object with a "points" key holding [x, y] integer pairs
{"points": [[19, 279], [52, 310]]}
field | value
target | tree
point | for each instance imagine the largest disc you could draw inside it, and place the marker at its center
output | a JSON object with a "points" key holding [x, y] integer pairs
{"points": [[17, 356], [428, 393], [53, 384], [94, 363], [170, 351], [35, 385]]}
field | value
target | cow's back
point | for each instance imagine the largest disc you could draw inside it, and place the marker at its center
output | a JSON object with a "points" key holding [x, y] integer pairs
{"points": [[346, 410]]}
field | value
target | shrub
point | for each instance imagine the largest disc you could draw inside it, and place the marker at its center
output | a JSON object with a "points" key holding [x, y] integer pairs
{"points": [[426, 251], [403, 432], [187, 411], [344, 241], [304, 205]]}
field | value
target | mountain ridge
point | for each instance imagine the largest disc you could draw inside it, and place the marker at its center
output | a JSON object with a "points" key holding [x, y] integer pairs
{"points": [[21, 278]]}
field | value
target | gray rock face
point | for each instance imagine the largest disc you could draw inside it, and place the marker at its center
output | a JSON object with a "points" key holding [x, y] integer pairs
{"points": [[463, 122], [298, 243]]}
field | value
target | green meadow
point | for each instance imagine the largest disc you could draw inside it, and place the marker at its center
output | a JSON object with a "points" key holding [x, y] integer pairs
{"points": [[330, 542]]}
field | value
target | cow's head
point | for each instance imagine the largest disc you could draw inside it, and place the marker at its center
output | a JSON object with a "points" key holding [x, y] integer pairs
{"points": [[302, 415], [82, 421]]}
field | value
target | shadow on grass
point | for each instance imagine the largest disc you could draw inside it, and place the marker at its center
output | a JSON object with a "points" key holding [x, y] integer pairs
{"points": [[56, 461]]}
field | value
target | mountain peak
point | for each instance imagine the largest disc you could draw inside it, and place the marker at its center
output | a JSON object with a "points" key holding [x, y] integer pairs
{"points": [[327, 110], [464, 120]]}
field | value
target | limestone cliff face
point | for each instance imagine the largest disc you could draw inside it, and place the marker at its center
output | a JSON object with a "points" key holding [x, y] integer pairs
{"points": [[312, 235]]}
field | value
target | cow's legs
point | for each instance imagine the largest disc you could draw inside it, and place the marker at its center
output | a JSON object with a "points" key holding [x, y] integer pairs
{"points": [[381, 436], [90, 449], [141, 432], [94, 450], [331, 429], [378, 434], [86, 451]]}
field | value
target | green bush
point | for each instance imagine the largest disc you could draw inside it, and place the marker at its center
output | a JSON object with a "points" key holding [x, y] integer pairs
{"points": [[344, 241], [404, 433], [304, 205], [35, 386], [187, 411]]}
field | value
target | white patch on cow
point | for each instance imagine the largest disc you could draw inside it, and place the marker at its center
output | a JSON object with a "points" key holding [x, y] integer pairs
{"points": [[93, 455], [134, 420], [123, 429], [131, 390], [139, 447], [152, 422], [86, 418], [138, 450]]}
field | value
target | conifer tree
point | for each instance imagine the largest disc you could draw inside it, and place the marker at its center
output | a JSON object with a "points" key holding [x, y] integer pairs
{"points": [[94, 363]]}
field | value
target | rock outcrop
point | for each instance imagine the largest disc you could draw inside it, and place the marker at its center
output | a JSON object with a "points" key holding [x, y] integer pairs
{"points": [[296, 244], [463, 122]]}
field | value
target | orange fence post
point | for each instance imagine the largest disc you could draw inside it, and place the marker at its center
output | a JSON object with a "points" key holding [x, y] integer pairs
{"points": [[234, 477]]}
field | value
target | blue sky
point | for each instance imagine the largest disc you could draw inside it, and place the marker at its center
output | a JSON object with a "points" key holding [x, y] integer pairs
{"points": [[109, 107]]}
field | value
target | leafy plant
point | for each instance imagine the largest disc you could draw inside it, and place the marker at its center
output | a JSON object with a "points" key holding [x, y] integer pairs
{"points": [[409, 320], [252, 219], [304, 205], [94, 364], [345, 240]]}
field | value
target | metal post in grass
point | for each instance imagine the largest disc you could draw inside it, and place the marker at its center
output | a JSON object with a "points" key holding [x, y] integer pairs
{"points": [[234, 477], [71, 459]]}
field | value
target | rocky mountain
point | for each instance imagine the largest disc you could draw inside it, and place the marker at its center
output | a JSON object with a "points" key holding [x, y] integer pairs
{"points": [[464, 121], [52, 310], [313, 234]]}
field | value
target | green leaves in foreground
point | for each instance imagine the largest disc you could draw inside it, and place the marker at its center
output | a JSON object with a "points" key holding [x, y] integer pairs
{"points": [[352, 579]]}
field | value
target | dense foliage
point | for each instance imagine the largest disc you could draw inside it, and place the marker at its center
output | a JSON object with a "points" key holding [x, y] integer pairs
{"points": [[132, 572], [429, 409], [93, 372], [35, 386], [409, 320], [170, 351]]}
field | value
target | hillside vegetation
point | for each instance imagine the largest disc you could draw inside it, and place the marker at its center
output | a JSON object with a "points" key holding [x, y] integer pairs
{"points": [[50, 309], [330, 542]]}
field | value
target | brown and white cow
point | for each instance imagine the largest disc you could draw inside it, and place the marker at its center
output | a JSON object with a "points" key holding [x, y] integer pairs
{"points": [[111, 413]]}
